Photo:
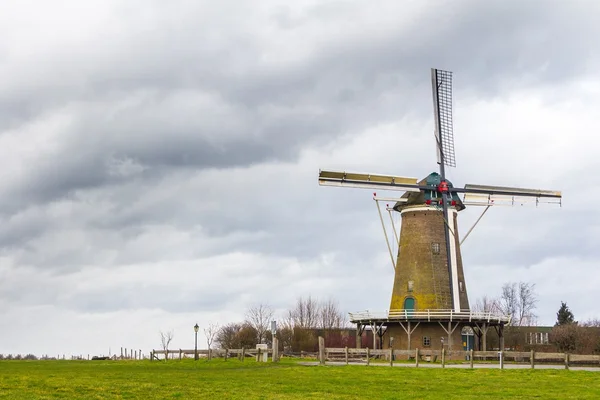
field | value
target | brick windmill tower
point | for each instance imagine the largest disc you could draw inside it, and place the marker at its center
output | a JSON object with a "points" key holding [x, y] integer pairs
{"points": [[429, 297]]}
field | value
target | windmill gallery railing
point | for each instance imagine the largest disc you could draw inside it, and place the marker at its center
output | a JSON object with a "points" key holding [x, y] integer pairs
{"points": [[428, 315]]}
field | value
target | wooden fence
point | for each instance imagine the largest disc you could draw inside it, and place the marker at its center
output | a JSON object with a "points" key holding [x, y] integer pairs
{"points": [[417, 356], [366, 356], [226, 353]]}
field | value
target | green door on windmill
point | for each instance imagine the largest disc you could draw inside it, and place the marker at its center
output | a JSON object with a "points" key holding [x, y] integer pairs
{"points": [[409, 305]]}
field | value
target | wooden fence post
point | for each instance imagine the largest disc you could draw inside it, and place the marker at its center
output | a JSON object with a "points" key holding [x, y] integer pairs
{"points": [[368, 356], [275, 356], [417, 358], [321, 350], [532, 359], [243, 353], [501, 354], [391, 356], [566, 360], [443, 358], [179, 354], [471, 357], [258, 351], [346, 354]]}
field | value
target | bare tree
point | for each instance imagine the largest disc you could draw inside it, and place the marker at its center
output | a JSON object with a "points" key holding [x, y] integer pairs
{"points": [[330, 316], [508, 301], [526, 300], [210, 332], [305, 314], [566, 337], [259, 317], [165, 340], [486, 304], [518, 300]]}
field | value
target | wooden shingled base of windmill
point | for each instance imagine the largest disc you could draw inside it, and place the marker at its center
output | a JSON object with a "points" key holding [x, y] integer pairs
{"points": [[429, 307]]}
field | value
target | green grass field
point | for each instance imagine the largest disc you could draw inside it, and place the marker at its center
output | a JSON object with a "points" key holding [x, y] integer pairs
{"points": [[233, 379]]}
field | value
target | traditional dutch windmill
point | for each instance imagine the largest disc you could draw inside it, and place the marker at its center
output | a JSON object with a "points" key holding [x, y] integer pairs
{"points": [[429, 294]]}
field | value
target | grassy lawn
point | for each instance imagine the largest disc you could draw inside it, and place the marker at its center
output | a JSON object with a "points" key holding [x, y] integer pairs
{"points": [[233, 379]]}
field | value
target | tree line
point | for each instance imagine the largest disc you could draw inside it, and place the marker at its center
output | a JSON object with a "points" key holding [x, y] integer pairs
{"points": [[519, 301], [297, 328], [575, 337]]}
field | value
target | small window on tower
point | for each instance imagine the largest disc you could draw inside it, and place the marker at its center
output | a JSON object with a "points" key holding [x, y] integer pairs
{"points": [[426, 341], [411, 284], [435, 248], [461, 287]]}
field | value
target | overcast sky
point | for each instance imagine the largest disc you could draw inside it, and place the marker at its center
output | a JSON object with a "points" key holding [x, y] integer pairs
{"points": [[160, 159]]}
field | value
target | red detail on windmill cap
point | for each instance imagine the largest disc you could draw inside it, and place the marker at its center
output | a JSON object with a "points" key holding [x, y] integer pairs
{"points": [[453, 202], [427, 202], [374, 194], [443, 186]]}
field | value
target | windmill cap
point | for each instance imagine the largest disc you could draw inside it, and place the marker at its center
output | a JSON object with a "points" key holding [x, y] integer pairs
{"points": [[419, 198]]}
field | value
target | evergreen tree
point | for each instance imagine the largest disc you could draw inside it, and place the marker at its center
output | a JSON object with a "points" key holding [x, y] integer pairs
{"points": [[564, 316]]}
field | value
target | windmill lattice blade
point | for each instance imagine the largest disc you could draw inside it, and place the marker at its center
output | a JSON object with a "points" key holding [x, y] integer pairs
{"points": [[509, 191], [442, 106], [367, 181]]}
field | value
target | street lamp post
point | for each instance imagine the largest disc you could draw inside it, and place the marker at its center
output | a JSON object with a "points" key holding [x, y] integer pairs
{"points": [[196, 327]]}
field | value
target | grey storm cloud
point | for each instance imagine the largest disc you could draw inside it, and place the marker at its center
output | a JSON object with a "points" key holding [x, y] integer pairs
{"points": [[170, 100]]}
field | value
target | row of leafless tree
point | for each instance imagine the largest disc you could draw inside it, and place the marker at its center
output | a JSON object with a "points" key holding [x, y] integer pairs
{"points": [[294, 327], [310, 313], [517, 299]]}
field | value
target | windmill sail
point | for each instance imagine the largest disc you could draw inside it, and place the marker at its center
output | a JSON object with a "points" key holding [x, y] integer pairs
{"points": [[441, 87], [441, 82], [367, 181], [509, 191]]}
